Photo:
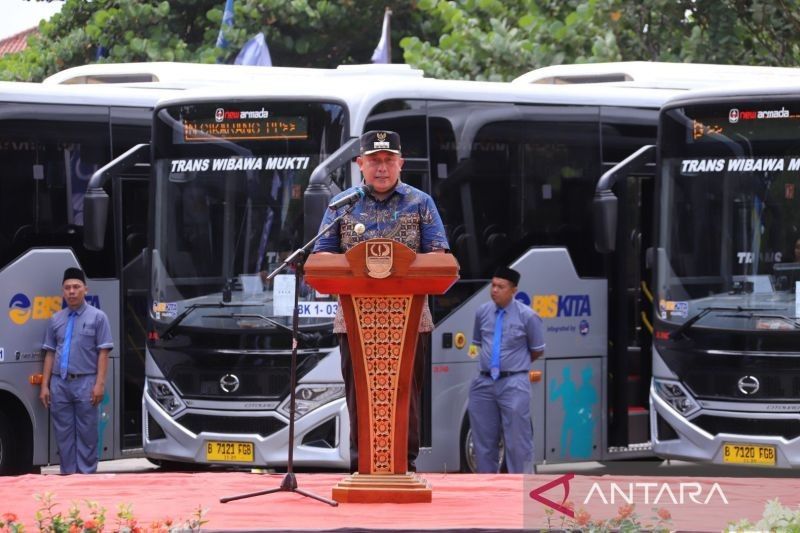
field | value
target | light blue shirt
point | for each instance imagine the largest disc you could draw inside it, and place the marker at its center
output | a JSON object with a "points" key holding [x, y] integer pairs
{"points": [[90, 333], [523, 333]]}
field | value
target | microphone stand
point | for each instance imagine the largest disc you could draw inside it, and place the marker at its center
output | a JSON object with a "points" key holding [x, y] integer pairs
{"points": [[297, 258]]}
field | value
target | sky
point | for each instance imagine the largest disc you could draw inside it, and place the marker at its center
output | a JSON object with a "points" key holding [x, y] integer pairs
{"points": [[18, 15]]}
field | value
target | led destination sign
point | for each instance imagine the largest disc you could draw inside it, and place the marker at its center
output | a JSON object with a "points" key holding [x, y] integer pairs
{"points": [[247, 126], [763, 122]]}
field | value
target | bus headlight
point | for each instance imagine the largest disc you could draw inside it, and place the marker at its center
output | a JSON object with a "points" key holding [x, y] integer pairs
{"points": [[311, 396], [164, 395], [674, 394]]}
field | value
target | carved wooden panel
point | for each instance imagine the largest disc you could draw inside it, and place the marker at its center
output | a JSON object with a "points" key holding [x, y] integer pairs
{"points": [[383, 323]]}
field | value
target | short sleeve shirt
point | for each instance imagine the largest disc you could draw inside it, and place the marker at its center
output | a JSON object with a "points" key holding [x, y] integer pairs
{"points": [[408, 216], [91, 332], [523, 333]]}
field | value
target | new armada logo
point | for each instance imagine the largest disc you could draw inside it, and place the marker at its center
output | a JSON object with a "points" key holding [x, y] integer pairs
{"points": [[229, 383]]}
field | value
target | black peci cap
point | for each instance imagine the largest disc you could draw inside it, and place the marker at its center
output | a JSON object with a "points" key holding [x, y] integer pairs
{"points": [[380, 140], [508, 274], [74, 273]]}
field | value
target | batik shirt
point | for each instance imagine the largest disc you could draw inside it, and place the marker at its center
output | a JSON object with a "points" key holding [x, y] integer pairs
{"points": [[408, 216]]}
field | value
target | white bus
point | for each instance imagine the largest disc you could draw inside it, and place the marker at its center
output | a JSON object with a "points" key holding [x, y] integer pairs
{"points": [[726, 251], [52, 138], [512, 168], [239, 179]]}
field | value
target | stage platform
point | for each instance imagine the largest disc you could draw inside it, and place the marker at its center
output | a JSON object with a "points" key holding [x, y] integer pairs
{"points": [[461, 502]]}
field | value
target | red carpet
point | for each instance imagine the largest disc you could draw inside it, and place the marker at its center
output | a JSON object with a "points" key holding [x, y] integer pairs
{"points": [[480, 502]]}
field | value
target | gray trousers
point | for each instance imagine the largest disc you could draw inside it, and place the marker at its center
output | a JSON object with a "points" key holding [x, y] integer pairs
{"points": [[502, 405], [75, 422]]}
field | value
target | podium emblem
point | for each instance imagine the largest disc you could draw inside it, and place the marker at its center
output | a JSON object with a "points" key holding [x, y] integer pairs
{"points": [[379, 259]]}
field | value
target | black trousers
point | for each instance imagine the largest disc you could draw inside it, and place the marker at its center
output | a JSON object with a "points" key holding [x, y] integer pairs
{"points": [[421, 359]]}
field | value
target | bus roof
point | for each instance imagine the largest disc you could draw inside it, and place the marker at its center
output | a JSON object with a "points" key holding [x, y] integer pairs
{"points": [[654, 74], [362, 92], [145, 95], [204, 73], [737, 92]]}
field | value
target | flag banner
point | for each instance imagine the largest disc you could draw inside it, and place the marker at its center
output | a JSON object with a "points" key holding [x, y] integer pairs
{"points": [[255, 52], [227, 20], [383, 52]]}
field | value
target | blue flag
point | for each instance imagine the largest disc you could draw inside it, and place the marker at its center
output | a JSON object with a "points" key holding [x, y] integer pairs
{"points": [[255, 52], [383, 52], [227, 20]]}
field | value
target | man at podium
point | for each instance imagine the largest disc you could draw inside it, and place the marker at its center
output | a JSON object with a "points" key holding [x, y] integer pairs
{"points": [[393, 210]]}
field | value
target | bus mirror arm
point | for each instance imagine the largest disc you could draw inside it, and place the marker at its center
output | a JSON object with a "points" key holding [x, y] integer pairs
{"points": [[318, 193], [604, 206], [95, 204]]}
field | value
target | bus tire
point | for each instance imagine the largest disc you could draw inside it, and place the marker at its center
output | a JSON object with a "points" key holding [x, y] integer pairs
{"points": [[13, 459], [467, 447], [469, 462]]}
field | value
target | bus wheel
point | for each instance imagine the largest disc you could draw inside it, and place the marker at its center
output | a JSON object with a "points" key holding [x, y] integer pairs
{"points": [[10, 460], [469, 463]]}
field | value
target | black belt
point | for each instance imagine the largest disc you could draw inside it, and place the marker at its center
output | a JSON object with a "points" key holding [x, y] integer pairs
{"points": [[504, 374], [74, 376]]}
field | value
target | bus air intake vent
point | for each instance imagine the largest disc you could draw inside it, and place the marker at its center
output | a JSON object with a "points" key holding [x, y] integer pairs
{"points": [[788, 428], [241, 425]]}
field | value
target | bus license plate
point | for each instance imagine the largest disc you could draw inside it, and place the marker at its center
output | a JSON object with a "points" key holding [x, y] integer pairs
{"points": [[222, 451], [749, 454]]}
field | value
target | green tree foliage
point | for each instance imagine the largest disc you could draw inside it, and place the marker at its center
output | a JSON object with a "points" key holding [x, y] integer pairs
{"points": [[473, 39], [501, 39], [300, 33]]}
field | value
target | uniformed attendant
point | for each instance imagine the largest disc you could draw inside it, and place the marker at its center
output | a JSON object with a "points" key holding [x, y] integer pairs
{"points": [[510, 337], [77, 343]]}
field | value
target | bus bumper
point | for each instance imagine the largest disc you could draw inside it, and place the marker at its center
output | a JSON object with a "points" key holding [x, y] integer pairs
{"points": [[311, 448], [693, 443]]}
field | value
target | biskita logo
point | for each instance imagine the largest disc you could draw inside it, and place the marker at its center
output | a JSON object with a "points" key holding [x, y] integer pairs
{"points": [[19, 309], [562, 305], [733, 116], [219, 114], [42, 308], [536, 494]]}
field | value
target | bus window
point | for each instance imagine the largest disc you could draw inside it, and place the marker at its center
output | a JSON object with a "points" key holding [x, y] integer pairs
{"points": [[407, 118], [47, 166]]}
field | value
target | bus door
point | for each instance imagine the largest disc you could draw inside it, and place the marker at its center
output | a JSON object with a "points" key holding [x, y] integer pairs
{"points": [[131, 126], [630, 299]]}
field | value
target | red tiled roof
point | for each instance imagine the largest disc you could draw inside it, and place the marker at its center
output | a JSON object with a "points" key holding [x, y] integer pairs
{"points": [[17, 42]]}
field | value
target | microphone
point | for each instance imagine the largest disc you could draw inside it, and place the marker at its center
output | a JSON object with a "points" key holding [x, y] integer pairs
{"points": [[351, 198]]}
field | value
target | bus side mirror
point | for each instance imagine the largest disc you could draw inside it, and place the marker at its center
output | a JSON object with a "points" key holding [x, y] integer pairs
{"points": [[95, 216], [315, 201], [604, 212]]}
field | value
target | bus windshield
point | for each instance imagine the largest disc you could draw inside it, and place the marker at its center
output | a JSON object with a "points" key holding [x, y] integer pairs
{"points": [[729, 227], [229, 182]]}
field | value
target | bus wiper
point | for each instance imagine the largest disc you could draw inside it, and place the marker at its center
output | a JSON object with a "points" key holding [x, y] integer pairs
{"points": [[260, 317], [686, 326], [783, 318], [312, 338], [167, 333]]}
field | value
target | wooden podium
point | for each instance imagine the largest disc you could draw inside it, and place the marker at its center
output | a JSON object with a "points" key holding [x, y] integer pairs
{"points": [[382, 286]]}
